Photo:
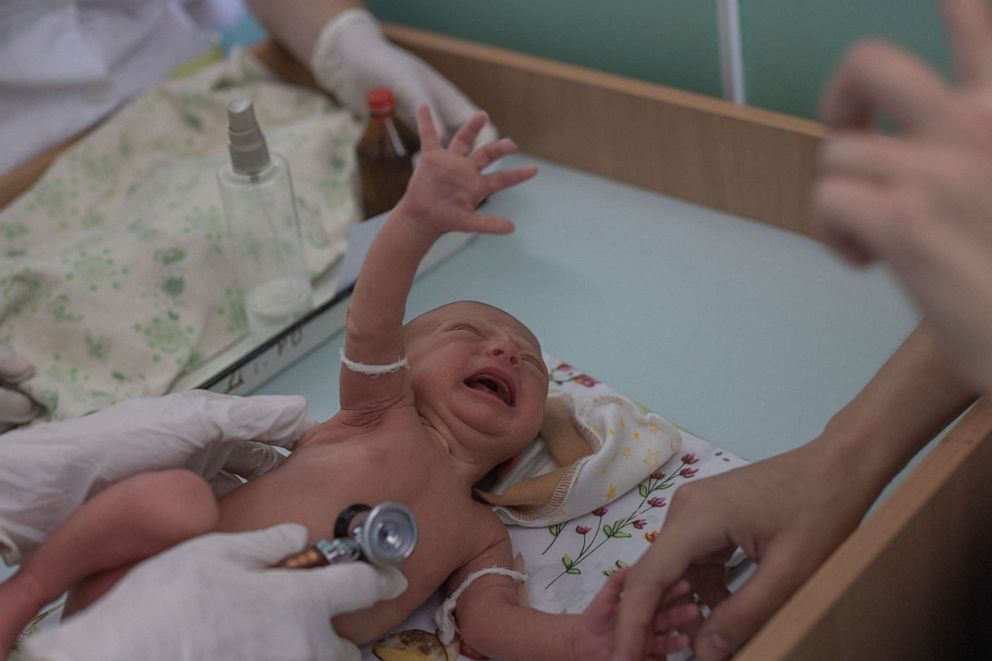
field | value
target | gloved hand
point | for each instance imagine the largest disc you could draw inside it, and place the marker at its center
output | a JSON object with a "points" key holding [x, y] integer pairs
{"points": [[351, 57], [16, 408], [214, 598], [46, 472]]}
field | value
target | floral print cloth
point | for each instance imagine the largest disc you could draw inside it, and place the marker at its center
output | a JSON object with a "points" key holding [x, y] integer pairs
{"points": [[114, 278], [626, 441], [568, 561]]}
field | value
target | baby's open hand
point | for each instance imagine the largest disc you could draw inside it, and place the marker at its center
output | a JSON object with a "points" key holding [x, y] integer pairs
{"points": [[448, 184]]}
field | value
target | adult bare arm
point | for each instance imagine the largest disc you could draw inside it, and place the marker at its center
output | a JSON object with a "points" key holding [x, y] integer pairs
{"points": [[791, 511], [919, 200]]}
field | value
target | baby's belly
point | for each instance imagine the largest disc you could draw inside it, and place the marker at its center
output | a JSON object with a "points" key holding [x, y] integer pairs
{"points": [[313, 488]]}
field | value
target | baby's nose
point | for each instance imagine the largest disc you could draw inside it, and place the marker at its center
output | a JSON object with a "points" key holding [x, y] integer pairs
{"points": [[504, 350]]}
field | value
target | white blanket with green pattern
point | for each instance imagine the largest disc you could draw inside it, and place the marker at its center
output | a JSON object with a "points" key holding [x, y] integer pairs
{"points": [[113, 273]]}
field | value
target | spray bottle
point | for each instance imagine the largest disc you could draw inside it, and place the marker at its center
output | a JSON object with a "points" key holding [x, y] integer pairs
{"points": [[262, 228]]}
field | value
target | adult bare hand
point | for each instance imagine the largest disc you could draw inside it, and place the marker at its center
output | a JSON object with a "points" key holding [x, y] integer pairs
{"points": [[788, 513], [920, 200]]}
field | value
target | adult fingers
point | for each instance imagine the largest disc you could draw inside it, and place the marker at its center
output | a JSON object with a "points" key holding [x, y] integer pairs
{"points": [[735, 620], [709, 580], [877, 77], [411, 95], [854, 218], [257, 549], [13, 368], [276, 419], [970, 25], [16, 408], [224, 483], [666, 642], [249, 459], [646, 583], [676, 613], [352, 586], [453, 107], [870, 155]]}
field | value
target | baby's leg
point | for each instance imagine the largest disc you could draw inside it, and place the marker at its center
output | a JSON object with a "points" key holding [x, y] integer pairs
{"points": [[123, 524]]}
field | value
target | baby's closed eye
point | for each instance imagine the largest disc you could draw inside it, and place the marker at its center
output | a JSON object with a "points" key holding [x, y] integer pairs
{"points": [[468, 328]]}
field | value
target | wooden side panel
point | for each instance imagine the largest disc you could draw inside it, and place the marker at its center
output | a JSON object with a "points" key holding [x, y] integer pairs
{"points": [[745, 161], [913, 581]]}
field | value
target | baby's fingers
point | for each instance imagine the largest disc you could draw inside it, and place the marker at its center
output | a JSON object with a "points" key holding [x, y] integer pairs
{"points": [[462, 143], [488, 154], [667, 643], [504, 179], [425, 127], [685, 617]]}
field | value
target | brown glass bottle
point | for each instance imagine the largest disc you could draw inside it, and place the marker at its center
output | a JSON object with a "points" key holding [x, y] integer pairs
{"points": [[385, 155]]}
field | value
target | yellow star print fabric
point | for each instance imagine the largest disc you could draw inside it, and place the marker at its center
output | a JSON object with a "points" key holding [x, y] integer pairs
{"points": [[595, 446]]}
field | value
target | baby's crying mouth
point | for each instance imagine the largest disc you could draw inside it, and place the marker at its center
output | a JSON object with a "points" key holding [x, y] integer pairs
{"points": [[491, 385]]}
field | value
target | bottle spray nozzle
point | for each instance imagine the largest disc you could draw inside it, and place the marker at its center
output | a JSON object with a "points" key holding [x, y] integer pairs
{"points": [[249, 153]]}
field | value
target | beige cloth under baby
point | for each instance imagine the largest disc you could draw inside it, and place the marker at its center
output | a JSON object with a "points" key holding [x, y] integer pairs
{"points": [[591, 451]]}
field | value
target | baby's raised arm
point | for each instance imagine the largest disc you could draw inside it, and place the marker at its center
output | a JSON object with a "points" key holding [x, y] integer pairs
{"points": [[446, 186]]}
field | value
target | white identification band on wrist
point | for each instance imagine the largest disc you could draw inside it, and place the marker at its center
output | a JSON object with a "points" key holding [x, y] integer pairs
{"points": [[444, 616], [374, 370]]}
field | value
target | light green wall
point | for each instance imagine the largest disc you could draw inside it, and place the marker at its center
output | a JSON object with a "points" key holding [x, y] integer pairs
{"points": [[673, 42], [792, 46]]}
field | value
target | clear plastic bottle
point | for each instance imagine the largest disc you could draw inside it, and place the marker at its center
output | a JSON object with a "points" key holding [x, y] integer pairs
{"points": [[385, 155], [262, 230]]}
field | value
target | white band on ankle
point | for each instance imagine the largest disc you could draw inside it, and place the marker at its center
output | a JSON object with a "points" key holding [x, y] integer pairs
{"points": [[374, 370]]}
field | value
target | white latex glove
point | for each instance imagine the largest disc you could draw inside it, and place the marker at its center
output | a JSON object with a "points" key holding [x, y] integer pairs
{"points": [[214, 598], [47, 471], [16, 408], [351, 57]]}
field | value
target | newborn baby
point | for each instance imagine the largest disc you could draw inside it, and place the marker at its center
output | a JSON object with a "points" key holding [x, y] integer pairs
{"points": [[427, 410]]}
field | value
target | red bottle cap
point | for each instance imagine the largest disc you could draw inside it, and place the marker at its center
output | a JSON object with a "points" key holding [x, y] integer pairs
{"points": [[380, 100]]}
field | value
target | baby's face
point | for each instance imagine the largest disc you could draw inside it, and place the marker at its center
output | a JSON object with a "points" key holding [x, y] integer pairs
{"points": [[480, 372]]}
